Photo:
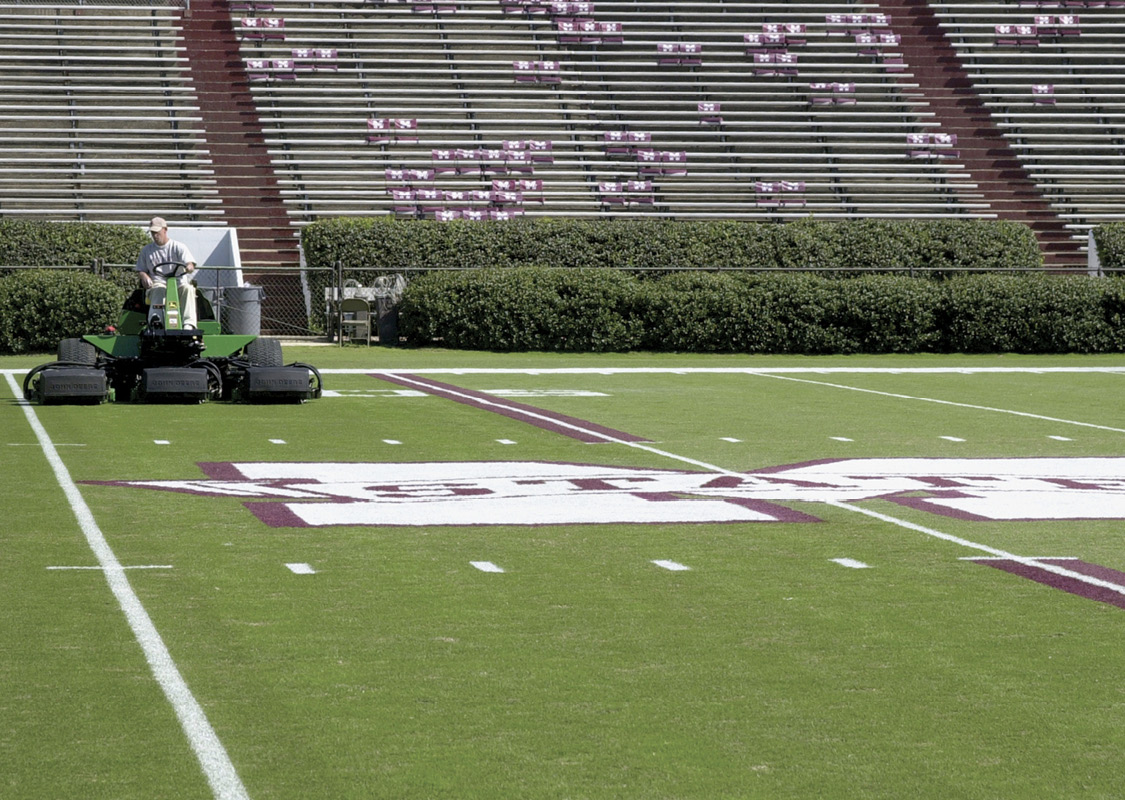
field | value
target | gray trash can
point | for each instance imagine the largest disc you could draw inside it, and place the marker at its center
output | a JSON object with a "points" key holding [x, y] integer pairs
{"points": [[388, 294], [242, 310], [386, 310]]}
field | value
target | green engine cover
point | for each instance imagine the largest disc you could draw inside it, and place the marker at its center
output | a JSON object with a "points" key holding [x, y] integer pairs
{"points": [[216, 345]]}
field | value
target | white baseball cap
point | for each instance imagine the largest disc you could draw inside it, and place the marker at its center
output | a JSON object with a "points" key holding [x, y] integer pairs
{"points": [[157, 224]]}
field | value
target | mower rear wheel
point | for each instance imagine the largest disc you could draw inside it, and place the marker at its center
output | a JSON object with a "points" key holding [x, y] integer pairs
{"points": [[264, 353], [78, 351]]}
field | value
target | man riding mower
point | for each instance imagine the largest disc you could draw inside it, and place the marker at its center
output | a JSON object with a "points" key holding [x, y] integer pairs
{"points": [[152, 357]]}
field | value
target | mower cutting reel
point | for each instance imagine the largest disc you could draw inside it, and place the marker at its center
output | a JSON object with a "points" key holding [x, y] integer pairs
{"points": [[151, 357]]}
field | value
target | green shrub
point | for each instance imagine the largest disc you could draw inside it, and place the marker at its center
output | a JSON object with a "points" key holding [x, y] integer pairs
{"points": [[1028, 314], [643, 245], [1113, 312], [532, 308], [880, 314], [1110, 241], [704, 312], [521, 309], [42, 243], [39, 243], [38, 308], [789, 313]]}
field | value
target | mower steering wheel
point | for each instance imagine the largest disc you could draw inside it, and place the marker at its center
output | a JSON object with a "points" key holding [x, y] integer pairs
{"points": [[169, 269]]}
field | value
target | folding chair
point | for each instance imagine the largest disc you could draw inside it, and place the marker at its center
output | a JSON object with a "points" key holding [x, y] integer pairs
{"points": [[355, 315]]}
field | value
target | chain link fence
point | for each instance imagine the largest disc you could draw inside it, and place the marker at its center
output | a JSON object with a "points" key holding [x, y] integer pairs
{"points": [[296, 302], [303, 302]]}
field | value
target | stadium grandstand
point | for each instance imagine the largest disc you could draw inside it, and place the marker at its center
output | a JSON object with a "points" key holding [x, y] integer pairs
{"points": [[265, 115]]}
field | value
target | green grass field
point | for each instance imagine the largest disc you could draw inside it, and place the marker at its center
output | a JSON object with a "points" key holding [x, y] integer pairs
{"points": [[468, 605]]}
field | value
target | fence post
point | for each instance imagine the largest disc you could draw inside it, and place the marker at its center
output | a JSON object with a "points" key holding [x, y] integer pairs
{"points": [[339, 303], [1093, 261]]}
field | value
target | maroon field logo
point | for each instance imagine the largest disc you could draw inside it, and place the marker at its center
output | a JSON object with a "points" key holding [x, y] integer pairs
{"points": [[303, 494]]}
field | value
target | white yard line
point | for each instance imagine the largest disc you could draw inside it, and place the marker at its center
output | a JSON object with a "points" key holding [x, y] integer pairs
{"points": [[213, 758], [992, 551], [485, 402], [948, 537], [853, 508], [897, 396], [132, 566], [780, 373], [884, 517], [706, 370], [721, 370]]}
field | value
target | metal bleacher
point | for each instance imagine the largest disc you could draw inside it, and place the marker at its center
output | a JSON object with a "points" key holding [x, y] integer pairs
{"points": [[613, 107], [493, 108], [1052, 75], [97, 117]]}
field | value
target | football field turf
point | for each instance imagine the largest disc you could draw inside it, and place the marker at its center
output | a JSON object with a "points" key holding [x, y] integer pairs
{"points": [[470, 575]]}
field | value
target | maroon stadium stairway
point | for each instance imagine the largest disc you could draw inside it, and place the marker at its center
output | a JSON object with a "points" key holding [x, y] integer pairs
{"points": [[243, 173], [985, 153]]}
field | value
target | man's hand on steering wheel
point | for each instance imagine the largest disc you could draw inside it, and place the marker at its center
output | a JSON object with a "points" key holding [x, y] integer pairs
{"points": [[170, 269]]}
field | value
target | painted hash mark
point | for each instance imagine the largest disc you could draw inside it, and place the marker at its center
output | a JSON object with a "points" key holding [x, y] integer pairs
{"points": [[1072, 585], [487, 566], [850, 563]]}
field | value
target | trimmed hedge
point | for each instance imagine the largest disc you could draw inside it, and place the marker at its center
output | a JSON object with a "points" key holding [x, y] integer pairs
{"points": [[589, 285], [1037, 314], [1110, 241], [580, 310], [601, 310], [41, 243], [652, 246], [38, 308], [789, 313], [396, 245], [38, 243]]}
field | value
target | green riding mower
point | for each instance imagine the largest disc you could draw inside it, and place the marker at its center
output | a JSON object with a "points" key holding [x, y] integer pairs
{"points": [[151, 357]]}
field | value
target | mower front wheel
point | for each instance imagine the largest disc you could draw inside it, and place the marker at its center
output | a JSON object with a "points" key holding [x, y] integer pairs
{"points": [[78, 351], [264, 353]]}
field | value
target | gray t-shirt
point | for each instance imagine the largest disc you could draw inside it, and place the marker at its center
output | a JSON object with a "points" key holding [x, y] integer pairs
{"points": [[153, 254]]}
